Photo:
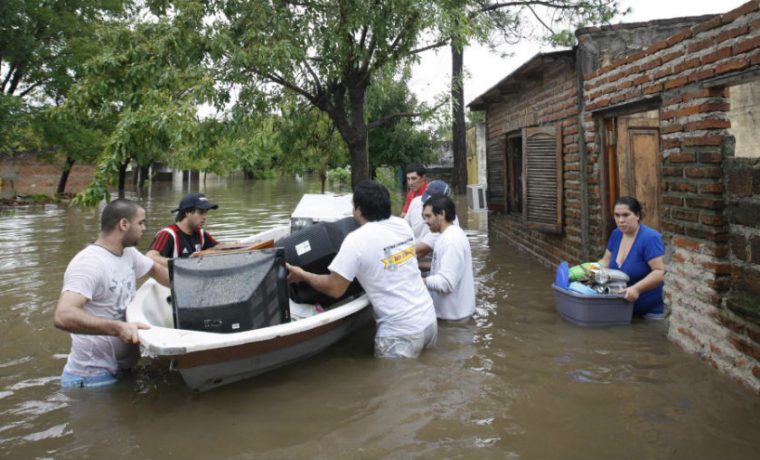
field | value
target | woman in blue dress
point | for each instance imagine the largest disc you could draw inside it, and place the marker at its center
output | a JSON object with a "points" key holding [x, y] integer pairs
{"points": [[638, 251]]}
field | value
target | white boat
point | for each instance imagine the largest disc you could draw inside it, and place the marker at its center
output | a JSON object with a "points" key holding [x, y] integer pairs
{"points": [[207, 360]]}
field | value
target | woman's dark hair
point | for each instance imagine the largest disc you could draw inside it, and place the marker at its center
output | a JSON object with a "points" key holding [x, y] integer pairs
{"points": [[115, 211], [373, 200], [443, 205], [632, 203]]}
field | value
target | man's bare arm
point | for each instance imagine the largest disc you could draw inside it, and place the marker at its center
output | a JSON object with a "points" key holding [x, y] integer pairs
{"points": [[333, 284], [70, 316]]}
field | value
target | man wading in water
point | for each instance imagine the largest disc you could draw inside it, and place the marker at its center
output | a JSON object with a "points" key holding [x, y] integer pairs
{"points": [[380, 254], [98, 284]]}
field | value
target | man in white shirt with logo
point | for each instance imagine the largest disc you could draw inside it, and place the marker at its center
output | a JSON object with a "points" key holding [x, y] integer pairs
{"points": [[98, 284], [380, 254], [450, 281]]}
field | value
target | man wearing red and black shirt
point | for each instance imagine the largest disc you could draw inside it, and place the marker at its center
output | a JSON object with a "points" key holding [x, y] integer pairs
{"points": [[415, 183], [187, 235]]}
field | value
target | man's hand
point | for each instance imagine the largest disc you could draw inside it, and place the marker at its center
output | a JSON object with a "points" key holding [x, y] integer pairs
{"points": [[128, 332], [295, 274]]}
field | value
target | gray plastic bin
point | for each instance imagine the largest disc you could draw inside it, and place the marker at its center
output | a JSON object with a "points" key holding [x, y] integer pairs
{"points": [[592, 310]]}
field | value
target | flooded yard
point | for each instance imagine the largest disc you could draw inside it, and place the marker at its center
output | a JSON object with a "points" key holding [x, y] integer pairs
{"points": [[515, 382]]}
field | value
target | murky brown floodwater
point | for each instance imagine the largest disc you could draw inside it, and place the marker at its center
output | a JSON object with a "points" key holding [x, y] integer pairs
{"points": [[517, 382]]}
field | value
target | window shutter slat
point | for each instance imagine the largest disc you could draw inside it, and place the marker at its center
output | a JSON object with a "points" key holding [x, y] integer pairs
{"points": [[542, 163]]}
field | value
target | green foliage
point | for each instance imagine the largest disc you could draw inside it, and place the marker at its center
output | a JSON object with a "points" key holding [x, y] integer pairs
{"points": [[324, 52], [402, 139], [339, 175], [475, 118], [144, 88], [387, 176], [308, 140], [17, 133], [44, 43]]}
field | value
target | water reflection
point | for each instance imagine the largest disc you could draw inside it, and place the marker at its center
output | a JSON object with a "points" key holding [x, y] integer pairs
{"points": [[514, 382]]}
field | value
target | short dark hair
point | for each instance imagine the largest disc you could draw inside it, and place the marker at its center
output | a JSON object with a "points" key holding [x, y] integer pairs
{"points": [[442, 205], [632, 203], [373, 200], [116, 210], [182, 213], [415, 168]]}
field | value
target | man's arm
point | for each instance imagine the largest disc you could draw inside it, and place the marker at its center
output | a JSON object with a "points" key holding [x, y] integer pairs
{"points": [[70, 316], [450, 272], [333, 284], [158, 259], [422, 249], [159, 273], [209, 241]]}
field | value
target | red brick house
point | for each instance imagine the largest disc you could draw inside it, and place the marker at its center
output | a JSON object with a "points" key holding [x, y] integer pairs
{"points": [[666, 111]]}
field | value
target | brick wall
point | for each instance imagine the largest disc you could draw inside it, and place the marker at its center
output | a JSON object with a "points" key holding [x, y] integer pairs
{"points": [[544, 101], [28, 175], [704, 239]]}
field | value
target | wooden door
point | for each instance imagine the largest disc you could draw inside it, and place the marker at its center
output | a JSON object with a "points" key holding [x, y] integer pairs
{"points": [[638, 163]]}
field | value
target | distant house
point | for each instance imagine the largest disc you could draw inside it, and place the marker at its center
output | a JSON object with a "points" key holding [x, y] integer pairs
{"points": [[666, 111]]}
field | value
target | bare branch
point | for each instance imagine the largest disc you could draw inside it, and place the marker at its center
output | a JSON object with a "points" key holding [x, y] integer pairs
{"points": [[388, 118], [549, 4], [29, 89], [540, 20], [438, 44]]}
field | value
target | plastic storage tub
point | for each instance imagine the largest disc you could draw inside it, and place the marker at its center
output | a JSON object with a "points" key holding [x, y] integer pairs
{"points": [[596, 310]]}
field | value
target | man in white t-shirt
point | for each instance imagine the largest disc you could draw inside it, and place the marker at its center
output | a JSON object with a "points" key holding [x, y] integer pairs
{"points": [[450, 281], [425, 239], [380, 254], [98, 284]]}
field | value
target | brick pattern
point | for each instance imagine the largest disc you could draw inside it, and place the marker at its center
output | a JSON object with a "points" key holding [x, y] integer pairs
{"points": [[32, 176], [711, 202], [552, 99]]}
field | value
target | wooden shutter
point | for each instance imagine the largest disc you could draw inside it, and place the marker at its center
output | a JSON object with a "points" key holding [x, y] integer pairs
{"points": [[495, 158], [542, 173]]}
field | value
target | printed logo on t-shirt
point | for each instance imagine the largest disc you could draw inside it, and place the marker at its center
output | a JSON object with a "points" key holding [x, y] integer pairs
{"points": [[394, 257], [184, 250], [122, 288]]}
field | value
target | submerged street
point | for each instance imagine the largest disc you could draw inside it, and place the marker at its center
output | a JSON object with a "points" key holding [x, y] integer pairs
{"points": [[515, 382]]}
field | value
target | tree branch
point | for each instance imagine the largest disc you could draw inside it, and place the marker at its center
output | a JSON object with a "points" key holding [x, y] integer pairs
{"points": [[388, 118], [549, 4], [29, 89], [437, 44], [540, 20]]}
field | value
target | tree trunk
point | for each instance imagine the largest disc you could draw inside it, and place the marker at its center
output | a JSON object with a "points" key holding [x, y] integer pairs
{"points": [[323, 178], [64, 175], [135, 176], [122, 178], [358, 146], [144, 172], [459, 130]]}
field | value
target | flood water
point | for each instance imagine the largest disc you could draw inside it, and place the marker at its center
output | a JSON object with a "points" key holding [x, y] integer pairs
{"points": [[515, 382]]}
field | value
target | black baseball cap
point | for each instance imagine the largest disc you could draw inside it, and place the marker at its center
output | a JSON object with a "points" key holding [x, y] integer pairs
{"points": [[195, 200]]}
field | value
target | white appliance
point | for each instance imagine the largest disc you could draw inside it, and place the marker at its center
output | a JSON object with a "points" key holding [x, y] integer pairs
{"points": [[476, 197]]}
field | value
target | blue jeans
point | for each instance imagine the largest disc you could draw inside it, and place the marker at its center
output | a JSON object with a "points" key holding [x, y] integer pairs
{"points": [[103, 379]]}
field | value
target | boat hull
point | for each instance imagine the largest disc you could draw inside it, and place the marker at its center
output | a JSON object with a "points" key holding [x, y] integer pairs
{"points": [[205, 370]]}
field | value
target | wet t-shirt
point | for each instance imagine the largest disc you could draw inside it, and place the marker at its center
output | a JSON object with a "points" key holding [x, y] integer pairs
{"points": [[108, 282]]}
